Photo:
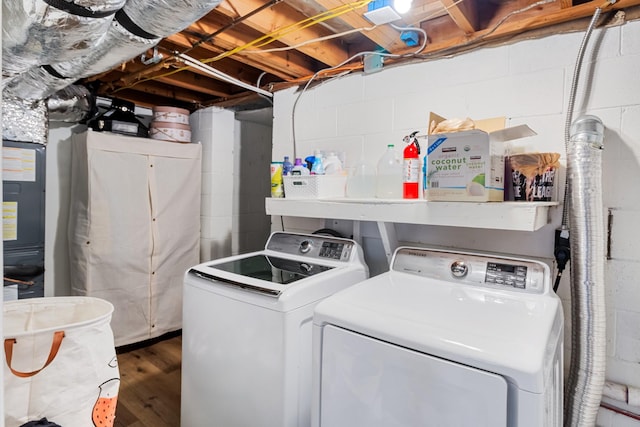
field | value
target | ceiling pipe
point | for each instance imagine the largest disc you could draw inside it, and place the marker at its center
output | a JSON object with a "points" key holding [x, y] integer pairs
{"points": [[138, 26], [192, 62]]}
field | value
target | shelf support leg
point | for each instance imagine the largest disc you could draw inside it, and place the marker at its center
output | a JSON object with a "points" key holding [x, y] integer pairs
{"points": [[357, 232], [389, 239]]}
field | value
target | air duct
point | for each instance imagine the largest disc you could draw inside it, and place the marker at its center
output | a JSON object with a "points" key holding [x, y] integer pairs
{"points": [[586, 379], [24, 121], [72, 104], [138, 26], [36, 32]]}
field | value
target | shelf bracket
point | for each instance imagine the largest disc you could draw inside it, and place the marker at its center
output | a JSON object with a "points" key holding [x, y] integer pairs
{"points": [[389, 239]]}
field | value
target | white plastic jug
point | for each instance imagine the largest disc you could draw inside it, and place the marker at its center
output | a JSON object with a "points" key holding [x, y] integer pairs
{"points": [[389, 175]]}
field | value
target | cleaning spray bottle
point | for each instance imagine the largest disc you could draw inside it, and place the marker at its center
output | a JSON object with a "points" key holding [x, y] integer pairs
{"points": [[411, 172]]}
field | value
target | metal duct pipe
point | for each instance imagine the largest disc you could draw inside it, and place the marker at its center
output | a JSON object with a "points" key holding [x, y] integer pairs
{"points": [[36, 32], [588, 345], [140, 25], [72, 104]]}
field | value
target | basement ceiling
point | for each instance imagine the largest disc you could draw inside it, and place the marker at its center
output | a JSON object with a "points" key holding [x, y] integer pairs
{"points": [[274, 44]]}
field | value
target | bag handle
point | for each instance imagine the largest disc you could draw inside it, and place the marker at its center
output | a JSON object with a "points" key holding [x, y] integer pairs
{"points": [[55, 346]]}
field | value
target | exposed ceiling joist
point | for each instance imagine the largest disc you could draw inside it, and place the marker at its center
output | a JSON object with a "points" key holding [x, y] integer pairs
{"points": [[225, 39]]}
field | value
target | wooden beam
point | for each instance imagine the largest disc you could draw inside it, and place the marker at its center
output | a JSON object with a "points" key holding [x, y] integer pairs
{"points": [[162, 90], [286, 65], [196, 82], [422, 10], [383, 35], [463, 14], [281, 16], [514, 26]]}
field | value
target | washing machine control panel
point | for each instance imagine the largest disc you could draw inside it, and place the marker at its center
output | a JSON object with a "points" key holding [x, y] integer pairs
{"points": [[312, 246], [474, 269]]}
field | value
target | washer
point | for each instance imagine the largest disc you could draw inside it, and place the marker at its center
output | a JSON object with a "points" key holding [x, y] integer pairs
{"points": [[443, 339], [246, 334]]}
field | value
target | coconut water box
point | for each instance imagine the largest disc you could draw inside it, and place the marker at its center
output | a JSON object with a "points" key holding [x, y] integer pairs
{"points": [[469, 165], [464, 166]]}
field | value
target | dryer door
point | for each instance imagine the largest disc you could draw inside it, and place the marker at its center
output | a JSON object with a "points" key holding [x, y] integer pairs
{"points": [[367, 382]]}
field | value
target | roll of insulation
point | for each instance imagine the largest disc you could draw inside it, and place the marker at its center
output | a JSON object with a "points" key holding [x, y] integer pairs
{"points": [[171, 115], [167, 131]]}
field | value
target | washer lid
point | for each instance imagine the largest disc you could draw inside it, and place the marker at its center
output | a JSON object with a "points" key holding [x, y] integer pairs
{"points": [[508, 333], [258, 272]]}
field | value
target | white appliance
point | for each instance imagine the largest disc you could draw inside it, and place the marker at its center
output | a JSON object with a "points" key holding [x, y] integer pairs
{"points": [[246, 334], [442, 339]]}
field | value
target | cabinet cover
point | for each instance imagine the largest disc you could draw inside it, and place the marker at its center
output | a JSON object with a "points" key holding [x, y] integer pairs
{"points": [[134, 228]]}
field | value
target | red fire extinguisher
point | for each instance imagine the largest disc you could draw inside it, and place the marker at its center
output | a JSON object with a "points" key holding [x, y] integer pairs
{"points": [[411, 172]]}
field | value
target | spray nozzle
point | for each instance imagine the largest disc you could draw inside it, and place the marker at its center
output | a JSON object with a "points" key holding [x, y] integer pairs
{"points": [[412, 139]]}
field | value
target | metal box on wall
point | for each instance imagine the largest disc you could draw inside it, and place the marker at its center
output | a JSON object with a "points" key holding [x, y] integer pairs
{"points": [[23, 213]]}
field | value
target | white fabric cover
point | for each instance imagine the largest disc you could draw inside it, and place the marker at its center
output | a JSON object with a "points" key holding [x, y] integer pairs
{"points": [[134, 228]]}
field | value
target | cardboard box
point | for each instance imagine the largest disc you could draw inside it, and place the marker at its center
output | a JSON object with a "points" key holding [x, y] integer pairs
{"points": [[468, 166]]}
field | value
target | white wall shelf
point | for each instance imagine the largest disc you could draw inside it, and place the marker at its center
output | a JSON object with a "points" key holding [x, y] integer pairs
{"points": [[518, 216]]}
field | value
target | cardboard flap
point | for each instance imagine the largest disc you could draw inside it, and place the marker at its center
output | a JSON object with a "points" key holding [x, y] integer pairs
{"points": [[434, 119], [511, 133], [487, 125], [490, 125]]}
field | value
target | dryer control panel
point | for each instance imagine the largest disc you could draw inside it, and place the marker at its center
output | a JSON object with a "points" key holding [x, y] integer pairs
{"points": [[474, 269]]}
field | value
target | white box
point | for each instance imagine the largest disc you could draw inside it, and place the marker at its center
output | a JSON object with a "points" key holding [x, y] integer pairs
{"points": [[469, 165], [314, 186]]}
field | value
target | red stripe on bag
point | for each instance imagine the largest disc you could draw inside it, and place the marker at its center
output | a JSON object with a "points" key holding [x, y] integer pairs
{"points": [[55, 346]]}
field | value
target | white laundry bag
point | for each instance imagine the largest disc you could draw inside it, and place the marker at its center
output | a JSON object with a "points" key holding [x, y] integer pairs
{"points": [[60, 362]]}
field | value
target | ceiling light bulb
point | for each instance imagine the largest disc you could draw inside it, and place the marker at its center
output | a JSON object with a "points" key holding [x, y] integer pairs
{"points": [[402, 6]]}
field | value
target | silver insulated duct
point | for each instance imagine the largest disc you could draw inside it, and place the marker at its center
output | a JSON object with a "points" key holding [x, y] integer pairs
{"points": [[588, 345], [138, 26], [36, 32]]}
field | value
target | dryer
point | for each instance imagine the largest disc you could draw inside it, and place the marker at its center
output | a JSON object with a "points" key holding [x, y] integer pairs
{"points": [[445, 338], [246, 332]]}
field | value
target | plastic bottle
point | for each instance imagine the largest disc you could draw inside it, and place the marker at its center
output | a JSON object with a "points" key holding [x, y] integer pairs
{"points": [[361, 183], [286, 166], [299, 168], [389, 175], [411, 171], [332, 164], [277, 187], [318, 165]]}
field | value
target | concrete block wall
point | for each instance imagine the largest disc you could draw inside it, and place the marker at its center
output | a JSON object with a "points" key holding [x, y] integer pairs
{"points": [[528, 82], [251, 180], [214, 128]]}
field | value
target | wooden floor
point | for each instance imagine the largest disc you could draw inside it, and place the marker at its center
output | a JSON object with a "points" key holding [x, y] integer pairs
{"points": [[149, 393]]}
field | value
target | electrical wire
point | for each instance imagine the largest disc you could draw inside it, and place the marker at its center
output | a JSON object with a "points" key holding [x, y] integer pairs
{"points": [[305, 23], [319, 39], [572, 100], [232, 24], [346, 61], [491, 31], [273, 36]]}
